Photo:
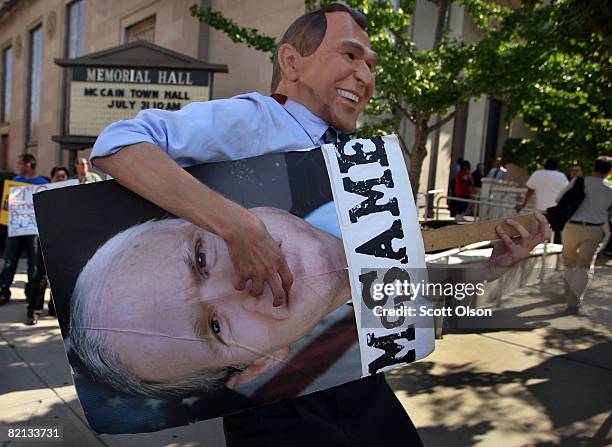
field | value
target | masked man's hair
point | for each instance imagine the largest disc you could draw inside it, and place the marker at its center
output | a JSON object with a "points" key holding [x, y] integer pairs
{"points": [[307, 33]]}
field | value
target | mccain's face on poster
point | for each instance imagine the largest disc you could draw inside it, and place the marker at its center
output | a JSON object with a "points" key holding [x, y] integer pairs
{"points": [[157, 302]]}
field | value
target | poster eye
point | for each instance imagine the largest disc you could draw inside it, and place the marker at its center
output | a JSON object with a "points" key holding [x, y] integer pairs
{"points": [[201, 260], [215, 326]]}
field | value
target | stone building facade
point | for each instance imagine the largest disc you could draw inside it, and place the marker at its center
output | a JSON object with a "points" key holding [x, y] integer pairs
{"points": [[33, 33]]}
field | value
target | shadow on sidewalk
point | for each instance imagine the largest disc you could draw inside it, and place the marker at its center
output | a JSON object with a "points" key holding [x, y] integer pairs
{"points": [[571, 389]]}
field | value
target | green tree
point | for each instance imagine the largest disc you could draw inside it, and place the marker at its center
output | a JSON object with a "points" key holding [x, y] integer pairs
{"points": [[552, 69], [510, 62]]}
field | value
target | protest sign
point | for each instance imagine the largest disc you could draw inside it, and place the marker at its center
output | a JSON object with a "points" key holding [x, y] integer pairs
{"points": [[381, 234], [21, 218], [5, 196], [157, 335]]}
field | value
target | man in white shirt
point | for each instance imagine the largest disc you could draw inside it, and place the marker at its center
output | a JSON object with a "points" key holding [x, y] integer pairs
{"points": [[546, 183], [584, 232]]}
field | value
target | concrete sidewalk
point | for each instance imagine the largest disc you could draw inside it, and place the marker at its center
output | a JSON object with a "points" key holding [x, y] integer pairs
{"points": [[547, 383]]}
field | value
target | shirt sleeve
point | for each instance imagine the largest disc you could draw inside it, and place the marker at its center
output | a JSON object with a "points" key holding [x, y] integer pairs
{"points": [[566, 188], [531, 183], [200, 132]]}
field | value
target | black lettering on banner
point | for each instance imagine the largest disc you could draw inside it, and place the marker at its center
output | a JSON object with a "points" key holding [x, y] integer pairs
{"points": [[392, 275], [346, 161], [366, 280], [380, 246], [91, 92], [388, 344], [369, 205]]}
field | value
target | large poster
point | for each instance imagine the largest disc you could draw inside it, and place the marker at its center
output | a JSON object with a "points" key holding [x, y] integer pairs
{"points": [[154, 330]]}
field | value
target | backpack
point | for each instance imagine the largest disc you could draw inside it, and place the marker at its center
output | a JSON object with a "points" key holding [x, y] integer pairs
{"points": [[568, 204]]}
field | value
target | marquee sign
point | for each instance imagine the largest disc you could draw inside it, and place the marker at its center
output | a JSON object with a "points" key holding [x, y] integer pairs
{"points": [[102, 95], [117, 83]]}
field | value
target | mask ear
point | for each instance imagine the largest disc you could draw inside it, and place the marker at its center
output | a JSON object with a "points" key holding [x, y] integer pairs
{"points": [[289, 61], [258, 367]]}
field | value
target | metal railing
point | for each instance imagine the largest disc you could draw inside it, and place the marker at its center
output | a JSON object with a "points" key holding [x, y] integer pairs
{"points": [[425, 195], [481, 202], [455, 251]]}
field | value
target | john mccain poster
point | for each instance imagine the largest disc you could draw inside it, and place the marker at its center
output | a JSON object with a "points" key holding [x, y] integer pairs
{"points": [[154, 330]]}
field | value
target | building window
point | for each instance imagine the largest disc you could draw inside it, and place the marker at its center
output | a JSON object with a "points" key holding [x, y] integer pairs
{"points": [[34, 87], [7, 83], [76, 28], [143, 30]]}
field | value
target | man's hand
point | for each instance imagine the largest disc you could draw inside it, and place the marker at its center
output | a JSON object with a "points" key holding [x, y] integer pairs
{"points": [[508, 251], [150, 173], [256, 256]]}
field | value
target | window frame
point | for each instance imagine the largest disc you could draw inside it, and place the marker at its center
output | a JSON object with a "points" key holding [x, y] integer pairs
{"points": [[32, 134], [152, 17], [6, 88], [68, 28]]}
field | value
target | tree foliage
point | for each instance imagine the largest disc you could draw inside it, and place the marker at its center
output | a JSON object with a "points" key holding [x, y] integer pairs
{"points": [[548, 64]]}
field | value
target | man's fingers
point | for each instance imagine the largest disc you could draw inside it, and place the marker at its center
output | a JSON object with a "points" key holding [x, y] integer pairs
{"points": [[240, 282], [285, 275], [522, 231], [257, 286], [505, 238], [277, 290]]}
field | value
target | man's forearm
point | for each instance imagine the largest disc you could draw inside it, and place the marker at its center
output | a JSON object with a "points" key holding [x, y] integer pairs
{"points": [[528, 197], [150, 173]]}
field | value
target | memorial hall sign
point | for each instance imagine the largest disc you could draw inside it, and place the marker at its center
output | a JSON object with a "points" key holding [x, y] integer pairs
{"points": [[117, 83], [103, 95]]}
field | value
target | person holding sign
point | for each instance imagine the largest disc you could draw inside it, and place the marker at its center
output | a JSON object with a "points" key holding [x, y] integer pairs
{"points": [[322, 81], [26, 167]]}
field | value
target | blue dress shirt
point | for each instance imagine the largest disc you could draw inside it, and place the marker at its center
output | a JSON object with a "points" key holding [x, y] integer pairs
{"points": [[226, 129]]}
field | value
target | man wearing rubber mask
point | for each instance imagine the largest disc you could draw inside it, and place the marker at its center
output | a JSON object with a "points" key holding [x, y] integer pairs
{"points": [[322, 80]]}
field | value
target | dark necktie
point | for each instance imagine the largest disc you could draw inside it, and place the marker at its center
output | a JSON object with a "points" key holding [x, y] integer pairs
{"points": [[330, 136]]}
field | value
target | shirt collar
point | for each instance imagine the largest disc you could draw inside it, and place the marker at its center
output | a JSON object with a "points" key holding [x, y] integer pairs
{"points": [[312, 124]]}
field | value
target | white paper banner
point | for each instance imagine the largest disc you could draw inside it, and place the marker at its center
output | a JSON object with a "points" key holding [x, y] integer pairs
{"points": [[382, 238], [21, 219]]}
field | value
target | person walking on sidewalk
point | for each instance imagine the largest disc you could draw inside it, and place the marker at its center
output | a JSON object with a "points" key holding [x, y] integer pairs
{"points": [[26, 167], [546, 184], [584, 231]]}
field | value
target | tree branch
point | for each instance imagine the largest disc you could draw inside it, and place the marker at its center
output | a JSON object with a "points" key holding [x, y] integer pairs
{"points": [[441, 123], [403, 110]]}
